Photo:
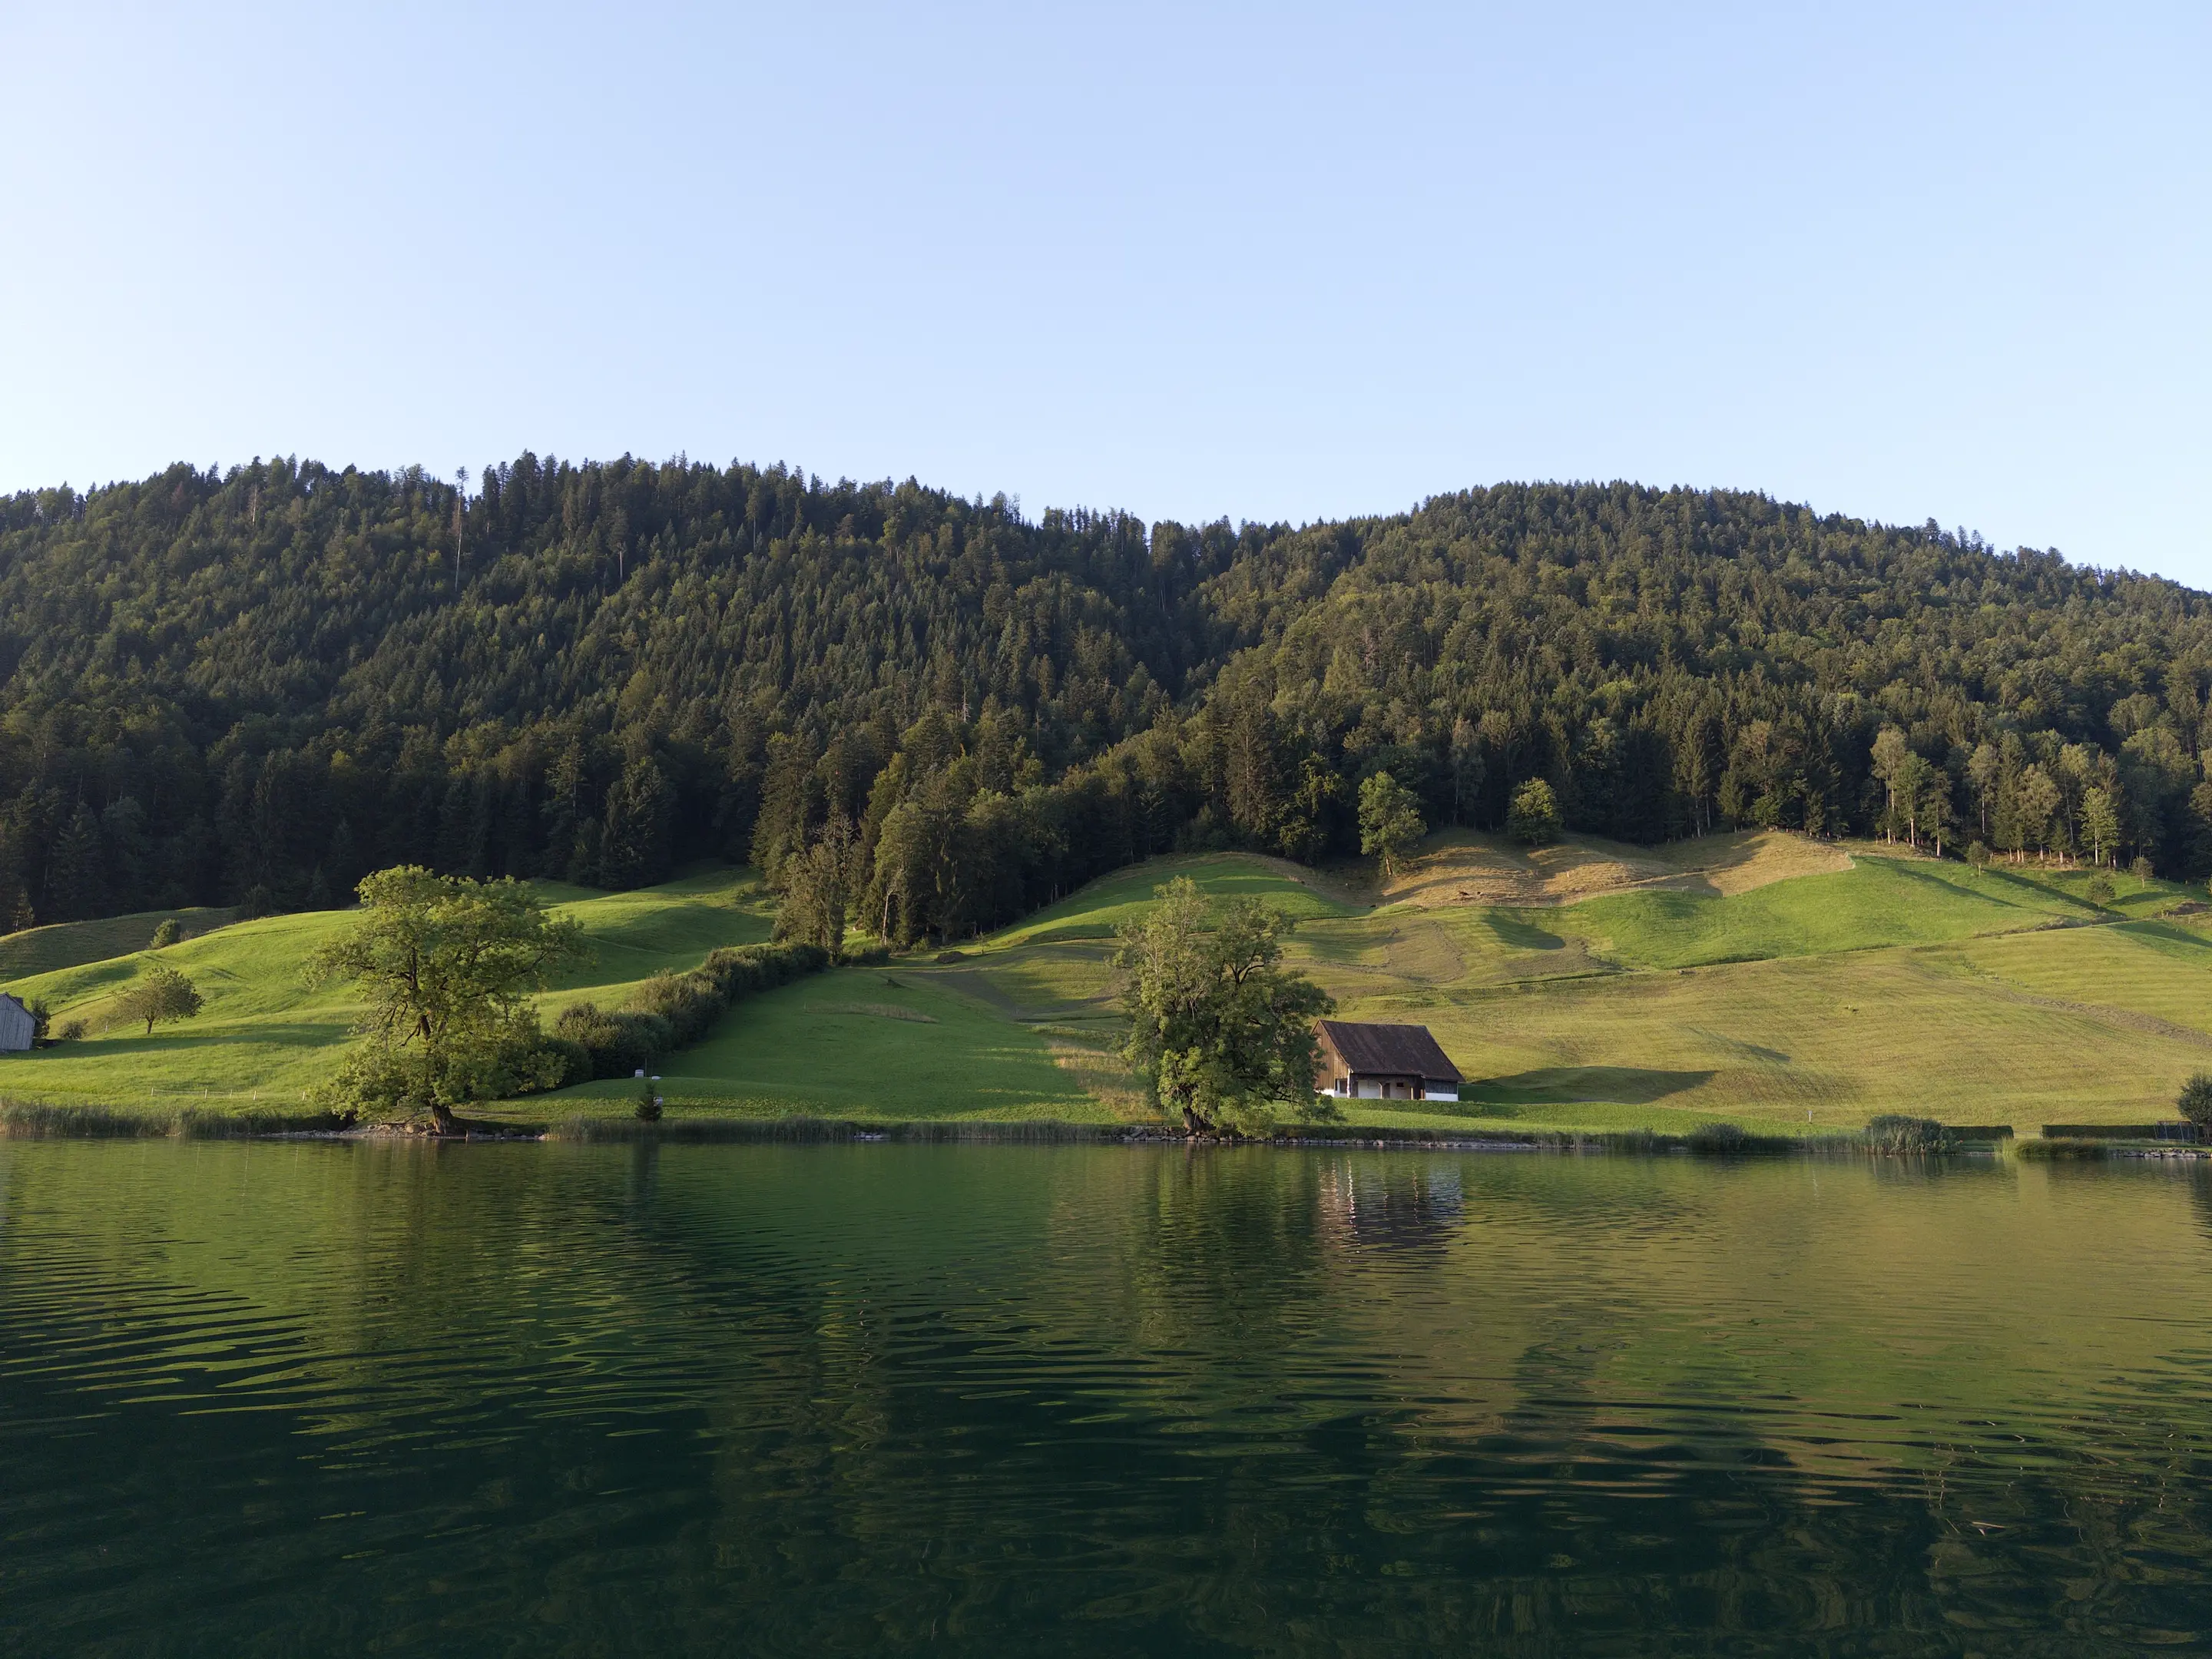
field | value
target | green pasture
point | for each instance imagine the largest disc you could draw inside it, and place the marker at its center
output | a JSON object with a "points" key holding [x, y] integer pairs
{"points": [[862, 1043], [1880, 902], [1099, 908], [2002, 996], [263, 1038], [1911, 985]]}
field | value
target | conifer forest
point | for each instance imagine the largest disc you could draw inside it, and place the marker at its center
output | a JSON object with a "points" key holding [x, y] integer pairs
{"points": [[931, 714]]}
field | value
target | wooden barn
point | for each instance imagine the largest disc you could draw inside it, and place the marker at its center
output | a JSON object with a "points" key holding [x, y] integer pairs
{"points": [[1382, 1062], [17, 1028]]}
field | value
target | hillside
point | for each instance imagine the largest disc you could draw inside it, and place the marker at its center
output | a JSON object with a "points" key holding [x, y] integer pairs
{"points": [[252, 687], [264, 1037], [1720, 986]]}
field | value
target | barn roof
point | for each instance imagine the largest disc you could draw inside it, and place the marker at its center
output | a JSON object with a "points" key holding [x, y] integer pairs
{"points": [[1398, 1050]]}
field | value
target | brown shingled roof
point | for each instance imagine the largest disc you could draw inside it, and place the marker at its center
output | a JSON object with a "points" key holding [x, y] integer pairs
{"points": [[1393, 1050]]}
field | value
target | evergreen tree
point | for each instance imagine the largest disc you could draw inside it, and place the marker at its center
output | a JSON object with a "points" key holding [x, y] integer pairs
{"points": [[1390, 821]]}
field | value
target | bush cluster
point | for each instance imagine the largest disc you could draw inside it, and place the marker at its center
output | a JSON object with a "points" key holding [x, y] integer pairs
{"points": [[674, 1011], [1895, 1132]]}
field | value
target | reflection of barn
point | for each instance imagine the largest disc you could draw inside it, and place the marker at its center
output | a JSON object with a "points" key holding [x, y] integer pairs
{"points": [[1394, 1208], [17, 1027], [1382, 1062]]}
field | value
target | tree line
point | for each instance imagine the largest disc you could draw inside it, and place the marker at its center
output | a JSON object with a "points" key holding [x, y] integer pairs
{"points": [[924, 714]]}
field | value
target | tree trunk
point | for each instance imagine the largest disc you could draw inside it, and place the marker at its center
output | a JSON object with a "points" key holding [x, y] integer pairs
{"points": [[442, 1116]]}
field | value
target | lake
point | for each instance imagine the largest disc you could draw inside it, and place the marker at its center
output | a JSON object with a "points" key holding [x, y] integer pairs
{"points": [[285, 1399]]}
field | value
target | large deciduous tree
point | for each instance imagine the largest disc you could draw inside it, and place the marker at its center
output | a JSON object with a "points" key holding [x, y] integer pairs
{"points": [[445, 964], [1222, 1032]]}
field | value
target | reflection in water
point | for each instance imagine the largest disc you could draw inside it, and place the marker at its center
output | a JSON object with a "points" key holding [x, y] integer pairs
{"points": [[1393, 1205], [502, 1399]]}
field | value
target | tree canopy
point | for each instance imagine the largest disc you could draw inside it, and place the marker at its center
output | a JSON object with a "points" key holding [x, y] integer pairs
{"points": [[1391, 824], [1221, 1032], [443, 963], [159, 992], [253, 687]]}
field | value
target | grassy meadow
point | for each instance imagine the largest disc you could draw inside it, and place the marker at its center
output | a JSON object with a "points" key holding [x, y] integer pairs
{"points": [[1760, 980], [263, 1037]]}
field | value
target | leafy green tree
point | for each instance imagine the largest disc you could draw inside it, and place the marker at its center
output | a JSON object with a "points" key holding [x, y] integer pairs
{"points": [[2037, 799], [2101, 823], [2194, 1101], [168, 933], [2100, 892], [159, 992], [1390, 821], [1222, 1032], [820, 887], [1889, 757], [1534, 818], [445, 964]]}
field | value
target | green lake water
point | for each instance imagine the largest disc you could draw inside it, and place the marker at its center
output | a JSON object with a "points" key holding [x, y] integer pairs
{"points": [[314, 1399]]}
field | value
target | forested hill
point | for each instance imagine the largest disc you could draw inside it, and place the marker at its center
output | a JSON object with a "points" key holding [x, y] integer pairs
{"points": [[256, 686]]}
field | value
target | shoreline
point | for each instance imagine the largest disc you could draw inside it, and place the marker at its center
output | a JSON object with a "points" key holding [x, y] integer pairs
{"points": [[22, 1119]]}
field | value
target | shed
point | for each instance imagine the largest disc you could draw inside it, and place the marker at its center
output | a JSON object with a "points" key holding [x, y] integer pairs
{"points": [[1382, 1062], [17, 1027]]}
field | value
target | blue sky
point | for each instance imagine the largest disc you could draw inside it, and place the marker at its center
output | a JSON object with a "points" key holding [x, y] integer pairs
{"points": [[1279, 262]]}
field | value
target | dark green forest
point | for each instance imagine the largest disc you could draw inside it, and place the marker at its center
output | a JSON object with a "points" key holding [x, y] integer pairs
{"points": [[933, 714]]}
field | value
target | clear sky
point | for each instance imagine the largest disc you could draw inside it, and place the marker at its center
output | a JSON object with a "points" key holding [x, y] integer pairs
{"points": [[1279, 262]]}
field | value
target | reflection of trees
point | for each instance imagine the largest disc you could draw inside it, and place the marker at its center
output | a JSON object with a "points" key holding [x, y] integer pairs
{"points": [[1090, 1400]]}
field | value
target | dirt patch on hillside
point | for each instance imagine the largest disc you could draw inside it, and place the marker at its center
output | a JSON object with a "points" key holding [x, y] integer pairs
{"points": [[1483, 870]]}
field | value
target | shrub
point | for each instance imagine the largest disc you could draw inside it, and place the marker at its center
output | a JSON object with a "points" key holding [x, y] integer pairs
{"points": [[2195, 1100], [1977, 854], [169, 932], [2100, 891], [71, 1030], [1895, 1132], [648, 1101], [2140, 869]]}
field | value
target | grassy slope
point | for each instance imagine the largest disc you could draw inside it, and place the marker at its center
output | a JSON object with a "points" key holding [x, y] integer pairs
{"points": [[263, 1036], [1900, 984], [72, 944], [1896, 985]]}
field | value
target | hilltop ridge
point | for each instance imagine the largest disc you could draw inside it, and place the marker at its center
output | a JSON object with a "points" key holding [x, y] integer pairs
{"points": [[251, 688]]}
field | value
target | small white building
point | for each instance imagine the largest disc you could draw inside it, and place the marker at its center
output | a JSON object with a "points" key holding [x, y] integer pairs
{"points": [[17, 1028]]}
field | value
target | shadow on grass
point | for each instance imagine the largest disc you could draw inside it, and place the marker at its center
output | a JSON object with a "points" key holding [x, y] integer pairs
{"points": [[1524, 935], [2148, 928], [300, 1034], [2035, 895], [1559, 1085]]}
